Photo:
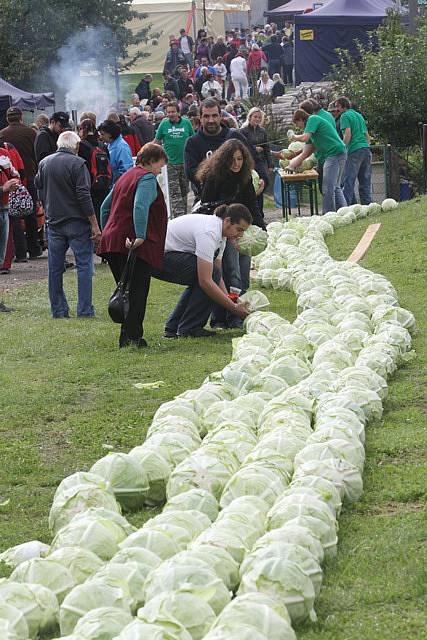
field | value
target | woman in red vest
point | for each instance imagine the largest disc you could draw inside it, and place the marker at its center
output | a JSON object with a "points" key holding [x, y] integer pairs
{"points": [[134, 218]]}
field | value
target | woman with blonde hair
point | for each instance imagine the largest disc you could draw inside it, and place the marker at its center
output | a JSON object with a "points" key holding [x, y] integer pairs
{"points": [[134, 218], [265, 84], [255, 133]]}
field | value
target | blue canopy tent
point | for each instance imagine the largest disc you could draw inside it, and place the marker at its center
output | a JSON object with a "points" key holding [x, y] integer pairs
{"points": [[11, 96], [337, 25]]}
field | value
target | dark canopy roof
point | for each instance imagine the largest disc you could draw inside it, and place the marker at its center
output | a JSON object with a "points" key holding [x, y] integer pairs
{"points": [[337, 25], [290, 8], [350, 12], [11, 96]]}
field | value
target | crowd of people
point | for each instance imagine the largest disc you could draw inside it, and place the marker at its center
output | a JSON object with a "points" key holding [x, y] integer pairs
{"points": [[96, 184]]}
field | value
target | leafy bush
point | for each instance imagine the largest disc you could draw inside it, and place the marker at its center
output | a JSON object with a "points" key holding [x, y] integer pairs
{"points": [[389, 82]]}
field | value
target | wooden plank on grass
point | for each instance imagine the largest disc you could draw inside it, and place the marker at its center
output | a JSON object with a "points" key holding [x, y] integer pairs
{"points": [[365, 243]]}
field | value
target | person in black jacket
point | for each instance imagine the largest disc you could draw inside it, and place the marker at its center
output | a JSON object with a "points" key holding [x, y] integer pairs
{"points": [[211, 135], [226, 178], [45, 142], [174, 58], [274, 53], [143, 87], [255, 133], [185, 84]]}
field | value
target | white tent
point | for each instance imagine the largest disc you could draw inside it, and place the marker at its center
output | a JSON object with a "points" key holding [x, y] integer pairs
{"points": [[167, 17]]}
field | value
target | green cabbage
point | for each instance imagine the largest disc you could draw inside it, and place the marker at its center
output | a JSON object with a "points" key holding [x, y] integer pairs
{"points": [[126, 476], [157, 470], [78, 499], [253, 241], [191, 612], [48, 573], [81, 563], [13, 556], [197, 499], [13, 621], [37, 603], [138, 630], [284, 580], [265, 614], [93, 594], [103, 623], [197, 580]]}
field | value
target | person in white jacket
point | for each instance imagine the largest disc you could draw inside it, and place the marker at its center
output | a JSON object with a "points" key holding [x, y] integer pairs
{"points": [[211, 88], [265, 84], [239, 76]]}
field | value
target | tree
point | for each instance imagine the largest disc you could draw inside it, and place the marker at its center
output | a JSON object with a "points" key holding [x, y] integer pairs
{"points": [[389, 82], [32, 33]]}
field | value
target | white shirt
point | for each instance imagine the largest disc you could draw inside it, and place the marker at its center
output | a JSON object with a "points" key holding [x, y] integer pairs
{"points": [[221, 70], [238, 67], [196, 233], [265, 89], [211, 85], [184, 45]]}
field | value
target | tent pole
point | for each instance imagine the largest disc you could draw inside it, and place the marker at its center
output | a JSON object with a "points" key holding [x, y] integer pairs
{"points": [[194, 8]]}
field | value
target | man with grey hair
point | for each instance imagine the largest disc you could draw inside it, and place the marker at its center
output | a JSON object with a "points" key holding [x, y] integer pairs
{"points": [[64, 184], [141, 127]]}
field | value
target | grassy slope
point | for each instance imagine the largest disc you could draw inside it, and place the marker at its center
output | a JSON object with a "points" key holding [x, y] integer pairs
{"points": [[67, 392]]}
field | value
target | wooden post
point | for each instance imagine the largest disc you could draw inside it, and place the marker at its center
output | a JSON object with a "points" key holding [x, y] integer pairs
{"points": [[413, 13]]}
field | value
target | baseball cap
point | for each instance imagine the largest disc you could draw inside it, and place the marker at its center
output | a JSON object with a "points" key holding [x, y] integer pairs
{"points": [[13, 111], [62, 117]]}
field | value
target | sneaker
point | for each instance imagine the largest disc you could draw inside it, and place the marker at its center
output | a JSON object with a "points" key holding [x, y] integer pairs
{"points": [[4, 309], [220, 326], [198, 333], [169, 334], [4, 272], [69, 265], [21, 260]]}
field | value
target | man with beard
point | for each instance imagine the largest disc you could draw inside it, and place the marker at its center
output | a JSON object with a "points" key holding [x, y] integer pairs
{"points": [[211, 135]]}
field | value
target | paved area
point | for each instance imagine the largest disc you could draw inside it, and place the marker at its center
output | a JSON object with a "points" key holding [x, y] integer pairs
{"points": [[36, 270]]}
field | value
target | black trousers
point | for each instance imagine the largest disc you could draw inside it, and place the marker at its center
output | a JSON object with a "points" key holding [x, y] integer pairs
{"points": [[132, 329], [194, 306]]}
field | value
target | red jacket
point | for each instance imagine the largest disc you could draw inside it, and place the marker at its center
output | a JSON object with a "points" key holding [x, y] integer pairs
{"points": [[254, 60], [120, 221]]}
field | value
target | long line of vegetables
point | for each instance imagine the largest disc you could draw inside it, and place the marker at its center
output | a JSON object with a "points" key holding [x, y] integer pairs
{"points": [[254, 466]]}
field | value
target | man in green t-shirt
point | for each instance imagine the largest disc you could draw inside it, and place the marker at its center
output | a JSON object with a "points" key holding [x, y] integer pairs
{"points": [[173, 133], [320, 136], [359, 156]]}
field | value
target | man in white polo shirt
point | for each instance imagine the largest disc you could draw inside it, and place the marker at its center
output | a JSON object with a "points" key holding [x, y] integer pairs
{"points": [[193, 250]]}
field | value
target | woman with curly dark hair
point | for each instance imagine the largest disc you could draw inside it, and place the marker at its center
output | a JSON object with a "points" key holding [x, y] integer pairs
{"points": [[226, 178]]}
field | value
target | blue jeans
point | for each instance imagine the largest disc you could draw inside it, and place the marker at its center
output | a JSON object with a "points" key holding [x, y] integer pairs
{"points": [[4, 232], [236, 273], [77, 235], [358, 165], [333, 196]]}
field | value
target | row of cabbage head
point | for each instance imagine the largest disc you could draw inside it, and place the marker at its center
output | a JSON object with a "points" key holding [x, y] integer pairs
{"points": [[254, 466]]}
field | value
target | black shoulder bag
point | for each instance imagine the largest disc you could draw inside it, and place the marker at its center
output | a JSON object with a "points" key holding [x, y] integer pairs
{"points": [[118, 304]]}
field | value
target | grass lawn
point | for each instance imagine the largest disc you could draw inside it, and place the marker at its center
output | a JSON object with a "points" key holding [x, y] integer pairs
{"points": [[67, 395], [129, 81]]}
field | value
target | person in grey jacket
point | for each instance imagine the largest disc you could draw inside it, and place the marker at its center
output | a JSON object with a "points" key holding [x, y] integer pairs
{"points": [[64, 184]]}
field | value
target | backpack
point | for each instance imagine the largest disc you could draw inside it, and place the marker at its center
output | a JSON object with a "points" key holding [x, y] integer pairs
{"points": [[100, 171]]}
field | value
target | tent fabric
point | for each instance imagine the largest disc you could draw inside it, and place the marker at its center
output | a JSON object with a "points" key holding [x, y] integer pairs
{"points": [[291, 8], [11, 96], [167, 17], [337, 25]]}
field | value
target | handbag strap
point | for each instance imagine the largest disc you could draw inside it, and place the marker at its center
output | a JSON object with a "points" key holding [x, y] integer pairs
{"points": [[128, 269]]}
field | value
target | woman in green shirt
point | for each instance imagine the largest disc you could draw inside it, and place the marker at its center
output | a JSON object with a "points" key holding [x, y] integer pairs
{"points": [[330, 150]]}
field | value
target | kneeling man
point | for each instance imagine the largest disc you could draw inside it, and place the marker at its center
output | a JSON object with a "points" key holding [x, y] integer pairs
{"points": [[193, 250]]}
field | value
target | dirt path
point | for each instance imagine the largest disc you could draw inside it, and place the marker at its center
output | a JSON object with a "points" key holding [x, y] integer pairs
{"points": [[36, 270]]}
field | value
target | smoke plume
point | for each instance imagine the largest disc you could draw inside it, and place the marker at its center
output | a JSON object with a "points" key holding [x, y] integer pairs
{"points": [[82, 74]]}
